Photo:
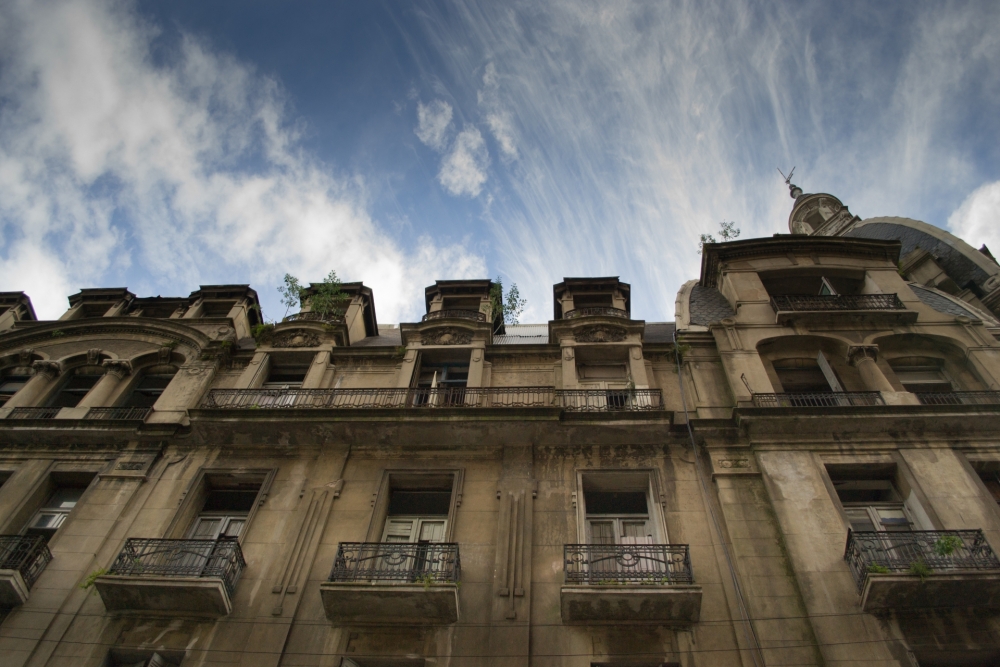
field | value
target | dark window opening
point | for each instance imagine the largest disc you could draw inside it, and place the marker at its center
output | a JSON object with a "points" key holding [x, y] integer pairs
{"points": [[799, 284], [593, 301], [801, 376], [461, 303], [10, 385], [286, 377], [147, 391], [615, 502], [420, 502], [217, 308], [236, 500], [74, 389], [224, 512], [870, 497]]}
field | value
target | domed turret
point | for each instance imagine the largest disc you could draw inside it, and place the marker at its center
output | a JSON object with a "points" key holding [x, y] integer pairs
{"points": [[818, 214]]}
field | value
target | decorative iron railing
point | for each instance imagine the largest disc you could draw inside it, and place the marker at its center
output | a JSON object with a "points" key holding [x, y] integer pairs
{"points": [[830, 399], [644, 564], [609, 400], [442, 397], [960, 398], [835, 302], [901, 552], [33, 413], [314, 317], [119, 414], [395, 562], [473, 315], [27, 554], [221, 559], [595, 311]]}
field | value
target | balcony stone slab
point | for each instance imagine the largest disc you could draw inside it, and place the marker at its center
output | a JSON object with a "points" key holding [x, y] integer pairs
{"points": [[352, 602], [164, 596], [13, 589], [903, 592], [623, 603]]}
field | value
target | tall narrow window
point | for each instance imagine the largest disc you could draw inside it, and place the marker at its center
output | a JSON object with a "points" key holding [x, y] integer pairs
{"points": [[76, 387], [148, 390], [417, 516], [224, 514], [801, 376], [871, 501], [54, 512], [441, 384], [617, 517], [10, 385]]}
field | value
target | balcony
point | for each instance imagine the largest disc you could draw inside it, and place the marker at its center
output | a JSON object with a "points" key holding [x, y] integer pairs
{"points": [[584, 400], [22, 559], [33, 413], [455, 313], [609, 400], [820, 307], [598, 311], [374, 582], [173, 577], [314, 317], [959, 398], [828, 399], [118, 414], [629, 583], [923, 569]]}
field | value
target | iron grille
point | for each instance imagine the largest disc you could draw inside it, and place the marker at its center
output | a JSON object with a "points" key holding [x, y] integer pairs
{"points": [[424, 397], [609, 400], [33, 413], [397, 562], [960, 398], [828, 399], [473, 315], [27, 554], [314, 317], [940, 550], [803, 302], [644, 564], [595, 311], [220, 559], [120, 414]]}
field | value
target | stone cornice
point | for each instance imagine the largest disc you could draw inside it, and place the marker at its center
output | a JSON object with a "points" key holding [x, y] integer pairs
{"points": [[39, 332]]}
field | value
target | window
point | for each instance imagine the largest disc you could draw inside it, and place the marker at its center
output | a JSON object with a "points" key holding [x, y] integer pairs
{"points": [[870, 498], [921, 375], [53, 513], [148, 390], [224, 513], [10, 385], [285, 377], [76, 387], [617, 517], [593, 301], [825, 288], [417, 516], [804, 376], [449, 381]]}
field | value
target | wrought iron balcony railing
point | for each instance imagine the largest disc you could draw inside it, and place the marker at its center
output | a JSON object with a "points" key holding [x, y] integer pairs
{"points": [[960, 398], [27, 554], [394, 562], [33, 413], [314, 317], [609, 400], [938, 550], [119, 414], [643, 564], [473, 315], [451, 397], [596, 311], [220, 559], [829, 399], [583, 400], [835, 302]]}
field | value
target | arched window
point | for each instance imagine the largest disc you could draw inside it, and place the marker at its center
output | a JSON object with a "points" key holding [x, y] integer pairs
{"points": [[147, 390], [80, 381]]}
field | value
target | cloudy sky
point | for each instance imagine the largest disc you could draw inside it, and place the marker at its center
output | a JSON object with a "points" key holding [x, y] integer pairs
{"points": [[163, 144]]}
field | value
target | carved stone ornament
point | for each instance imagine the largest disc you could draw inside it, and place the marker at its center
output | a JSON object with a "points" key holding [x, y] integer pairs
{"points": [[568, 353], [446, 336], [297, 338], [94, 356], [637, 353], [858, 353], [24, 356], [601, 334], [117, 367], [49, 368], [164, 354]]}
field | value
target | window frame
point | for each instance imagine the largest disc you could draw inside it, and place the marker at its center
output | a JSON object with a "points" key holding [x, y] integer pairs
{"points": [[622, 479], [400, 477], [192, 501]]}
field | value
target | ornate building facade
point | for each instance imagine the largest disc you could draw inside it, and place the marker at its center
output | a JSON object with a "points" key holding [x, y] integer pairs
{"points": [[802, 469]]}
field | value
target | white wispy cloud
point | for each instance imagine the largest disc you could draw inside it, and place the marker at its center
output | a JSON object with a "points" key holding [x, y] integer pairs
{"points": [[977, 220], [433, 121], [642, 125], [463, 169], [108, 158], [498, 118]]}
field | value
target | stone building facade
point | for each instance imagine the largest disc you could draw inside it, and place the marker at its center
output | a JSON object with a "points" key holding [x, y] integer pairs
{"points": [[802, 469]]}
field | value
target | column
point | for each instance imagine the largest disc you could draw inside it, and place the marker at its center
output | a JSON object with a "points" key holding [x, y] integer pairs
{"points": [[256, 371], [637, 367], [476, 367], [317, 370], [864, 357], [46, 373], [115, 371]]}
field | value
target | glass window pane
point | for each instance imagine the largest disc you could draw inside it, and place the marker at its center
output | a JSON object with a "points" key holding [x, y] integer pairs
{"points": [[235, 528], [602, 532], [65, 497], [431, 531], [634, 529], [860, 520], [206, 529]]}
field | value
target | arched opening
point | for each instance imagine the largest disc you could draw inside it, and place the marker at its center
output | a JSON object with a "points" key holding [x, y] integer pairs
{"points": [[12, 380], [78, 382], [147, 388]]}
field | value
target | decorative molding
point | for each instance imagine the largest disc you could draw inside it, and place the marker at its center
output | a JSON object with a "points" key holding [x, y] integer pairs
{"points": [[117, 367], [857, 353], [296, 338], [600, 333], [48, 368], [568, 354], [24, 356], [94, 356], [446, 336]]}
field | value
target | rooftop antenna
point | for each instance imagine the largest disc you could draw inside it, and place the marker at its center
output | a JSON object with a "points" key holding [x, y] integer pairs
{"points": [[793, 189]]}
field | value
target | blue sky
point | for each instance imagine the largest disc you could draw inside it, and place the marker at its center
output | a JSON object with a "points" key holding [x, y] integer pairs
{"points": [[166, 144]]}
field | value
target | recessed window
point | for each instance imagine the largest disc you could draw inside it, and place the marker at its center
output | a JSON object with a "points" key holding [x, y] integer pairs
{"points": [[870, 498], [921, 375], [285, 377], [55, 511], [10, 385], [801, 376], [76, 387], [148, 390], [417, 515], [224, 513]]}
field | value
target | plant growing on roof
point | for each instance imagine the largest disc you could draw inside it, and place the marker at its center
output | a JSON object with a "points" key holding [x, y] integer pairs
{"points": [[327, 300], [510, 307], [728, 231]]}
